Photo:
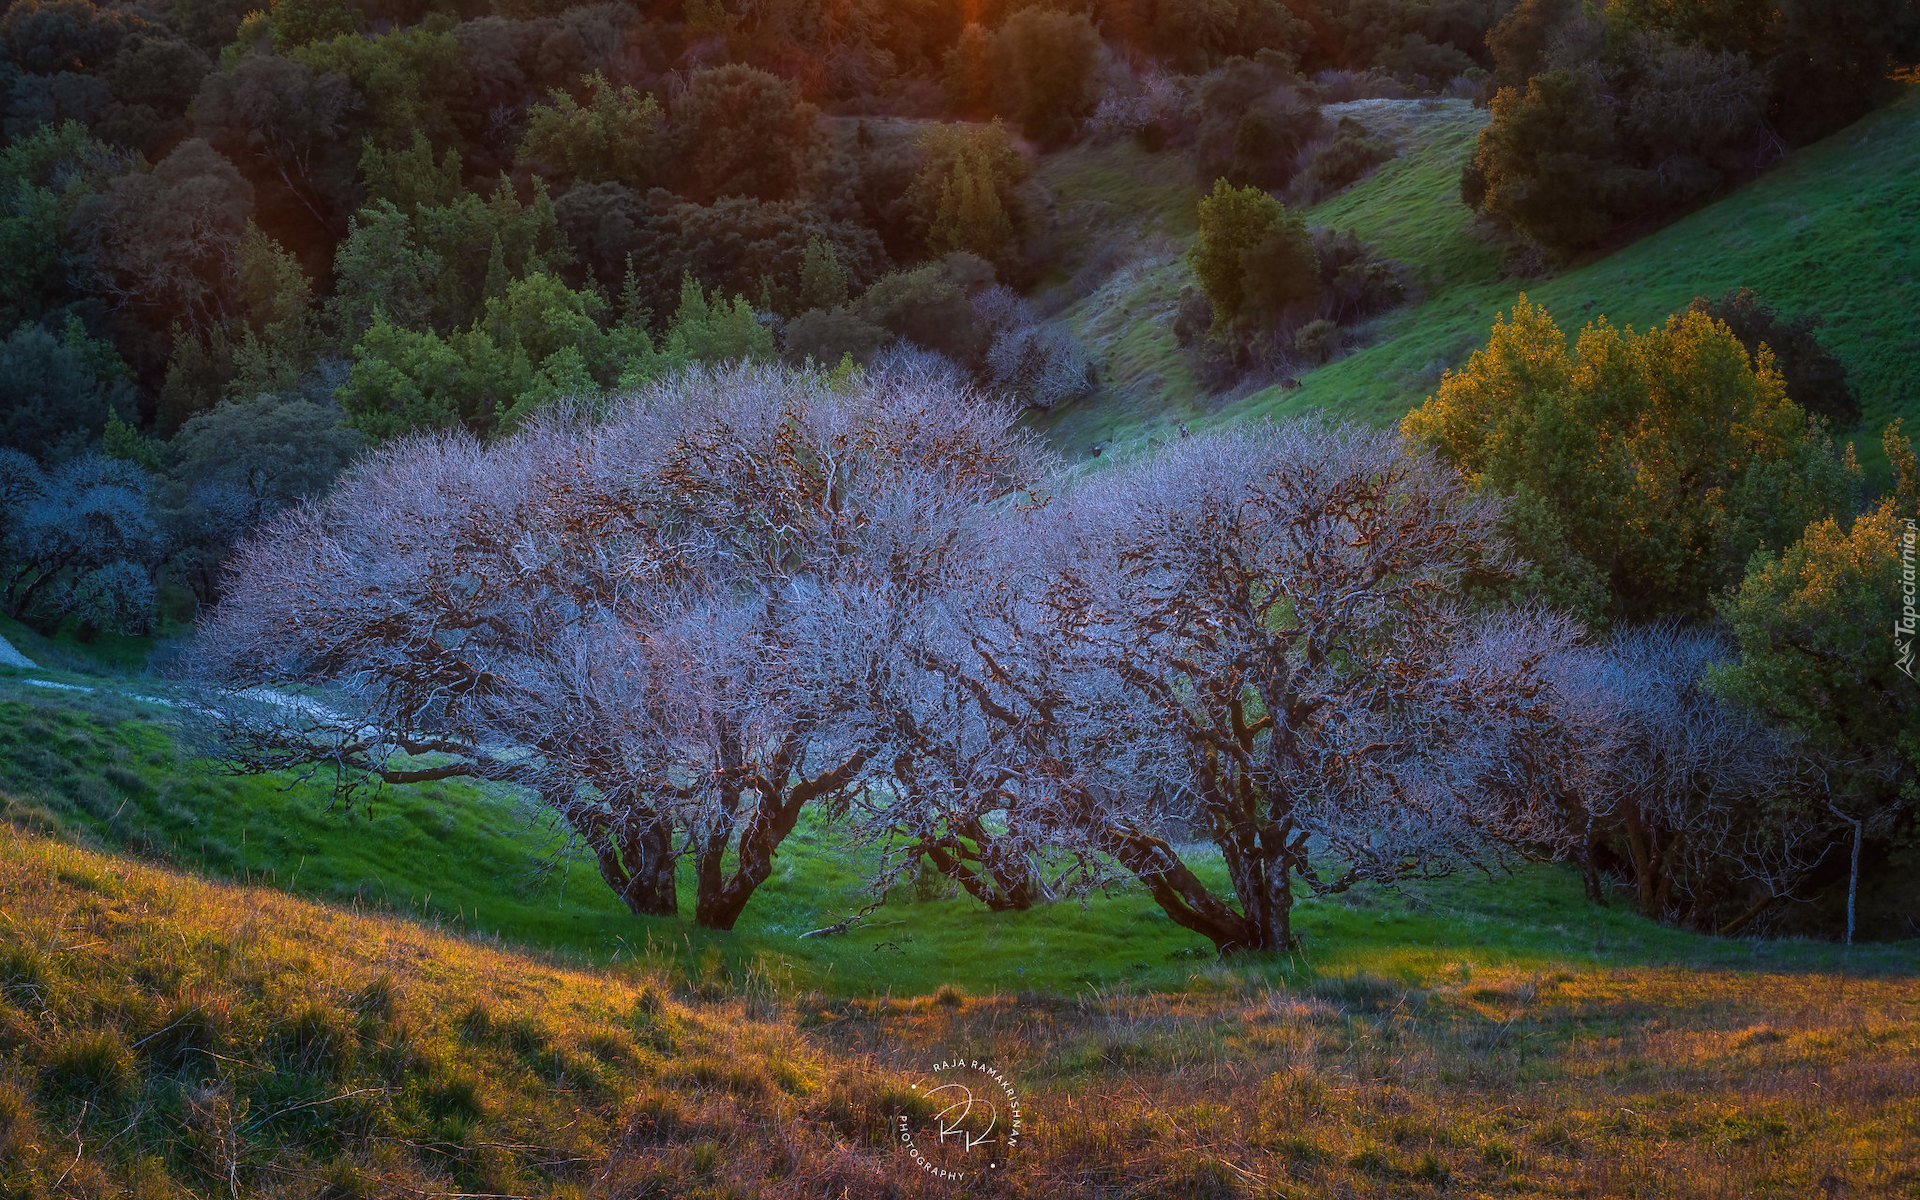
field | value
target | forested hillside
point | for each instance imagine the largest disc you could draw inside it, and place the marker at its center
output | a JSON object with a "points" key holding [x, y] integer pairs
{"points": [[242, 244], [603, 598]]}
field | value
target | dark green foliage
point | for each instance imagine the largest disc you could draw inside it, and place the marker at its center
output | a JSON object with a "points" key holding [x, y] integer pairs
{"points": [[1355, 281], [1816, 380], [1344, 160], [1253, 124], [1279, 275], [43, 178], [536, 340], [931, 306], [1193, 318], [1194, 36], [823, 281], [606, 225], [151, 85], [235, 465], [1317, 341], [163, 241], [1254, 260], [1812, 623], [287, 123], [1424, 44], [1521, 42], [967, 73], [744, 246], [208, 24], [738, 131], [77, 541], [1049, 62], [1547, 166], [1624, 116], [57, 390], [967, 194], [458, 217], [48, 37]]}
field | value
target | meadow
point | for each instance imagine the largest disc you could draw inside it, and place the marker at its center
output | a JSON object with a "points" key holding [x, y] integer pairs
{"points": [[161, 1035], [112, 772], [216, 984]]}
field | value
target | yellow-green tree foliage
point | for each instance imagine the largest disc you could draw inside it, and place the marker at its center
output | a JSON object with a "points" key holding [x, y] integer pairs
{"points": [[1644, 469], [1827, 638], [298, 23], [1253, 258], [615, 135], [965, 190]]}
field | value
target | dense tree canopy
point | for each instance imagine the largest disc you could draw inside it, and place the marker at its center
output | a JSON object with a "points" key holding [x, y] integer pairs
{"points": [[1645, 468]]}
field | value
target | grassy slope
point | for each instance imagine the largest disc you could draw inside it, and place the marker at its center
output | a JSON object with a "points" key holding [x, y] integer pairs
{"points": [[1112, 197], [1410, 205], [163, 1037], [110, 772], [1829, 231]]}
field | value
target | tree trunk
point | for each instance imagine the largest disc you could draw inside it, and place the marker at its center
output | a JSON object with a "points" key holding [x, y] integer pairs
{"points": [[637, 861], [1643, 849], [1740, 922], [1590, 868], [1267, 925], [989, 875], [719, 899], [1853, 868], [648, 856]]}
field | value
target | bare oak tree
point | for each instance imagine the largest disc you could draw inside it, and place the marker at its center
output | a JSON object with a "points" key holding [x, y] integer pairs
{"points": [[1714, 816], [629, 614], [1255, 641]]}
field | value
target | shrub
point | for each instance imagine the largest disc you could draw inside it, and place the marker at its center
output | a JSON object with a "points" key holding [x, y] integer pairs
{"points": [[1816, 380], [1193, 317], [1547, 166], [1355, 282], [1343, 161], [931, 306], [826, 335], [1253, 258], [1253, 123], [1317, 341]]}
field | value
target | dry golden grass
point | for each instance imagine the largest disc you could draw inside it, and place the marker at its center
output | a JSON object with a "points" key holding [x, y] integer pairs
{"points": [[162, 1036]]}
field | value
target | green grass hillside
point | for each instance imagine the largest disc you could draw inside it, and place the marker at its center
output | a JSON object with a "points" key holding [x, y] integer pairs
{"points": [[110, 772], [1829, 231]]}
